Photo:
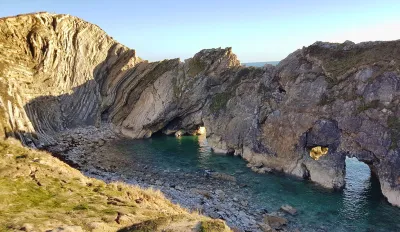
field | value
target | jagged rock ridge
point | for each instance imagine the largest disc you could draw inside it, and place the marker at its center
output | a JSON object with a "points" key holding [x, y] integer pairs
{"points": [[59, 72]]}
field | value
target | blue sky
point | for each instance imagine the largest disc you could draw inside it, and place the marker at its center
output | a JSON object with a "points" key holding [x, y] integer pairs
{"points": [[257, 30]]}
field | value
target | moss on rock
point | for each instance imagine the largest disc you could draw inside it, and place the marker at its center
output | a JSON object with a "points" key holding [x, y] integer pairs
{"points": [[366, 106], [393, 123], [195, 66], [337, 60], [219, 101]]}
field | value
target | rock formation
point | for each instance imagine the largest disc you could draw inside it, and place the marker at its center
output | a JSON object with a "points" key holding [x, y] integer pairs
{"points": [[59, 72]]}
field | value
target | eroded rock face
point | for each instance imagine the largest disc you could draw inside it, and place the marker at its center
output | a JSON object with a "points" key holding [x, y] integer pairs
{"points": [[59, 72], [47, 64], [344, 97]]}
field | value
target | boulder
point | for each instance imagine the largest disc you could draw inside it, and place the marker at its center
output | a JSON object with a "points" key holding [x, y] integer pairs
{"points": [[274, 221], [265, 227], [288, 209], [223, 176]]}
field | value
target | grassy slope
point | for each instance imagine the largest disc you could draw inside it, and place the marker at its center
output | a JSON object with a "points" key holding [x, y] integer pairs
{"points": [[40, 190], [338, 61]]}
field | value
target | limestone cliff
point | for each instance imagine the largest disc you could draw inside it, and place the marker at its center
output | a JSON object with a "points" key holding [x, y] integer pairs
{"points": [[47, 66], [59, 72]]}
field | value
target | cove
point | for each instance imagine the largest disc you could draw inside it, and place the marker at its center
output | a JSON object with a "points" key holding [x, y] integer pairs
{"points": [[359, 207]]}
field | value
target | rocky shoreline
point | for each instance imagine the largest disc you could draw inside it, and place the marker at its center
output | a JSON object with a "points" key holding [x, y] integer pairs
{"points": [[217, 195]]}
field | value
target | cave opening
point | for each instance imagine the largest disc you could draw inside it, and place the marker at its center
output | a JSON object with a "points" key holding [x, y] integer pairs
{"points": [[197, 130], [361, 182], [179, 127]]}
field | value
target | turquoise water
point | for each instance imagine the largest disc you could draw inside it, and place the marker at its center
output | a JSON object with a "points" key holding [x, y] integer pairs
{"points": [[359, 207]]}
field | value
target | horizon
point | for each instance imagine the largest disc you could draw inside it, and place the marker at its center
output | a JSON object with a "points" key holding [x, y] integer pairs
{"points": [[257, 31]]}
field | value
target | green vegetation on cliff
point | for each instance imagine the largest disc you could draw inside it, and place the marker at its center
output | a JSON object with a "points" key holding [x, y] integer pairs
{"points": [[393, 123], [337, 59], [365, 106], [40, 192], [195, 66], [219, 101], [212, 226]]}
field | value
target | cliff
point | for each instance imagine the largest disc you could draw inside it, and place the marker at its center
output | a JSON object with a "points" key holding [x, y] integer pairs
{"points": [[327, 100]]}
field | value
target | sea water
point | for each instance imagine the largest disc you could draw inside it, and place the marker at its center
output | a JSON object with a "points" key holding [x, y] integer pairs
{"points": [[360, 206]]}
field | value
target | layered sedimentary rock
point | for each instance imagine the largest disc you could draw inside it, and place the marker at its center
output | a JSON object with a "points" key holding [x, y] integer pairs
{"points": [[47, 66], [59, 72]]}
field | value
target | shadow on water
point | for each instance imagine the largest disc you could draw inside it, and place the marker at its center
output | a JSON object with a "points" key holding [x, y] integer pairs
{"points": [[359, 207]]}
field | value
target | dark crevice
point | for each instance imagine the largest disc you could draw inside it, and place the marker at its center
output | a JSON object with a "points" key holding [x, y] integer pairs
{"points": [[230, 152], [117, 220], [306, 172], [63, 158], [54, 24], [175, 125], [30, 45], [33, 176], [158, 133]]}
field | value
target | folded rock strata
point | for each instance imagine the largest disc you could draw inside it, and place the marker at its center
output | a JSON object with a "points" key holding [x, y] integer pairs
{"points": [[59, 72]]}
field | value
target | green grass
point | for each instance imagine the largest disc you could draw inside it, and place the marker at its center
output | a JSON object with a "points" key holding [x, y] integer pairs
{"points": [[65, 196], [83, 206], [152, 225], [212, 226], [338, 61], [23, 194]]}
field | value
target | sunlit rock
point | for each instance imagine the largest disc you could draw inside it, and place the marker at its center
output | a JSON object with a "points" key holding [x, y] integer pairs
{"points": [[201, 130], [275, 221], [318, 151], [179, 133]]}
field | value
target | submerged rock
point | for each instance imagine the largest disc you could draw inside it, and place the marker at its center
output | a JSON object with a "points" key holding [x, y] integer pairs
{"points": [[276, 222], [223, 176], [289, 209], [266, 228]]}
